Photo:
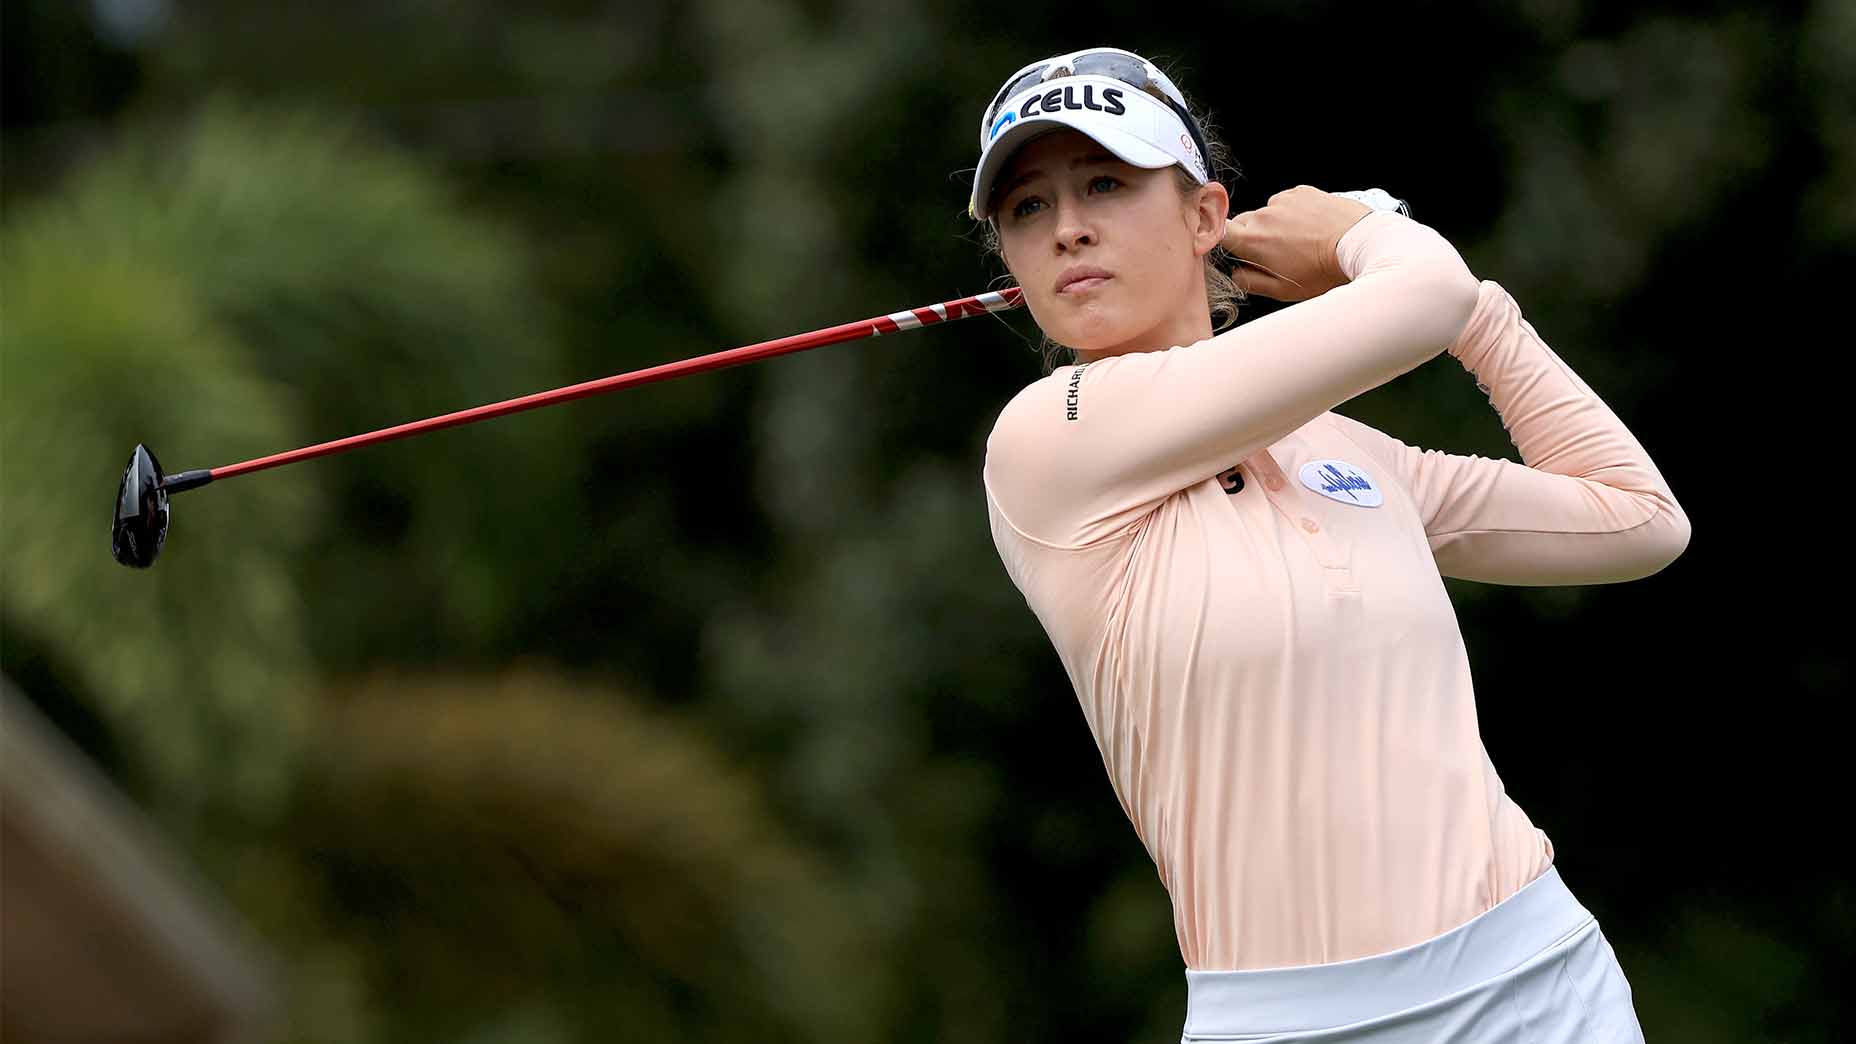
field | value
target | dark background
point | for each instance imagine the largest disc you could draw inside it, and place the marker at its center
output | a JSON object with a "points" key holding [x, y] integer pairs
{"points": [[705, 711]]}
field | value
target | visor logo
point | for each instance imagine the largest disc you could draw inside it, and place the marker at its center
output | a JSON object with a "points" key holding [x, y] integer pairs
{"points": [[1066, 98], [1004, 121], [1185, 142]]}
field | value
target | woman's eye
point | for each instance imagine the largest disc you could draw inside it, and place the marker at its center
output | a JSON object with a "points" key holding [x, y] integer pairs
{"points": [[1103, 184], [1027, 206]]}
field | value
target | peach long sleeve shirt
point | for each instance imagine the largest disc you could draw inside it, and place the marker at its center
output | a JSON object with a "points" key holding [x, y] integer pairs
{"points": [[1246, 592]]}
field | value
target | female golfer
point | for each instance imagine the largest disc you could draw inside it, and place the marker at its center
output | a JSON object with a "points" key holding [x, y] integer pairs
{"points": [[1245, 588]]}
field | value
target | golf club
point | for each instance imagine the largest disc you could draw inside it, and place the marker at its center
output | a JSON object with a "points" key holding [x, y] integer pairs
{"points": [[140, 524]]}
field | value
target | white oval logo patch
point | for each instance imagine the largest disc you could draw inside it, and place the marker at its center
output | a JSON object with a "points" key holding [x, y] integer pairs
{"points": [[1339, 480]]}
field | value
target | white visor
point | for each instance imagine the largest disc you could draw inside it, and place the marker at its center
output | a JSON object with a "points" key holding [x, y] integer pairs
{"points": [[1138, 128]]}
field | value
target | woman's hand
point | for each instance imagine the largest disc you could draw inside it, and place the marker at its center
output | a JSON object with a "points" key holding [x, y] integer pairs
{"points": [[1287, 249]]}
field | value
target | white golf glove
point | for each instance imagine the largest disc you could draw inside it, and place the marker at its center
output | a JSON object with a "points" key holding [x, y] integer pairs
{"points": [[1378, 199]]}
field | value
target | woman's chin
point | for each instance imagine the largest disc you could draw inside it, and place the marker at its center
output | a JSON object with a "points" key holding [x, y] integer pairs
{"points": [[1091, 322], [1095, 334]]}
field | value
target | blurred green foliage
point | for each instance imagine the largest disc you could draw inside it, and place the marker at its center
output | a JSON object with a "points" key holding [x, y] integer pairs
{"points": [[628, 870], [705, 711], [106, 340]]}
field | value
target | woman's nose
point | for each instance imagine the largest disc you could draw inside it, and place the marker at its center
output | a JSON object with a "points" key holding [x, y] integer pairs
{"points": [[1072, 230]]}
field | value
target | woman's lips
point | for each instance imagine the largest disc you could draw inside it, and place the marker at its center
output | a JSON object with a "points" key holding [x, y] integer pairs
{"points": [[1082, 279]]}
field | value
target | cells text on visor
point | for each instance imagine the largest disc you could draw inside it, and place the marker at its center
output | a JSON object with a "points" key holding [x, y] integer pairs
{"points": [[1065, 98]]}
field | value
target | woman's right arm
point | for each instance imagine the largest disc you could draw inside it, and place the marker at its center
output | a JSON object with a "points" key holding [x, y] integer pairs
{"points": [[1588, 506], [1079, 456]]}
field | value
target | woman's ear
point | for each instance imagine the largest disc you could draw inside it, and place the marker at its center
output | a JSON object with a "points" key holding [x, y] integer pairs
{"points": [[1210, 205]]}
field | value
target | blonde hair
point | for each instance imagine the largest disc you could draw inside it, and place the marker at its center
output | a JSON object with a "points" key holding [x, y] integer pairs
{"points": [[1222, 294]]}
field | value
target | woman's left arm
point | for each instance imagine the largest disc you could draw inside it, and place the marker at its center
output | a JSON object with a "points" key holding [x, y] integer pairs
{"points": [[1588, 507]]}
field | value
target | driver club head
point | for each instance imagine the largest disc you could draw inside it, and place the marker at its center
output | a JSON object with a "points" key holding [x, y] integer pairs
{"points": [[141, 521]]}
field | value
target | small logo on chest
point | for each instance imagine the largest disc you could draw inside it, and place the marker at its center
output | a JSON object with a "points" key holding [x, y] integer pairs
{"points": [[1339, 480]]}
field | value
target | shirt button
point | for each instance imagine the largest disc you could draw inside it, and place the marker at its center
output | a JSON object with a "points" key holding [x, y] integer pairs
{"points": [[1272, 483], [1309, 525]]}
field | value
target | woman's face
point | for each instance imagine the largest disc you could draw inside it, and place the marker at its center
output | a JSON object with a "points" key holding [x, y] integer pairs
{"points": [[1110, 255]]}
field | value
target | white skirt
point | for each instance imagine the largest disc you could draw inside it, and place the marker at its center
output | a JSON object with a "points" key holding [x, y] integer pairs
{"points": [[1534, 969]]}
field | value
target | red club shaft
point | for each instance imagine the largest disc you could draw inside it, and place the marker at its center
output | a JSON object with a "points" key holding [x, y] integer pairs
{"points": [[883, 324]]}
